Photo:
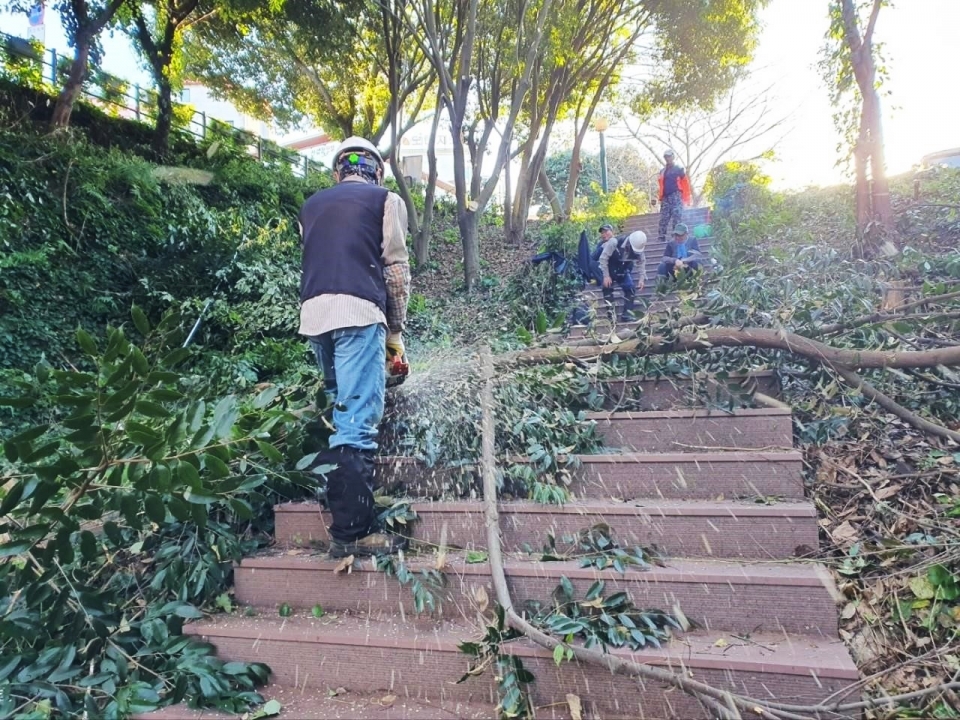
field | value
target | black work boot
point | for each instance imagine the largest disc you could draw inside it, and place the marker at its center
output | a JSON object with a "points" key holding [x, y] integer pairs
{"points": [[627, 314], [354, 528]]}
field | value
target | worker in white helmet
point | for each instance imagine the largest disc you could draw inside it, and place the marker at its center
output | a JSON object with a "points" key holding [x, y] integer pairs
{"points": [[618, 259], [354, 288]]}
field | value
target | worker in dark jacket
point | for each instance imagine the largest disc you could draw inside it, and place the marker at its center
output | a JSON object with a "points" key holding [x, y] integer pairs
{"points": [[354, 289], [681, 252]]}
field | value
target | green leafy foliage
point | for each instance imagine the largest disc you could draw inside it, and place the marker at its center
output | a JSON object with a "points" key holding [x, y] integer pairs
{"points": [[512, 677], [428, 586], [611, 621], [121, 519], [439, 425], [125, 239], [596, 547]]}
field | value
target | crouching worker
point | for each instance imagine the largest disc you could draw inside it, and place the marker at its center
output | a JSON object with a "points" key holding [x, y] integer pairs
{"points": [[617, 262], [354, 288], [682, 252]]}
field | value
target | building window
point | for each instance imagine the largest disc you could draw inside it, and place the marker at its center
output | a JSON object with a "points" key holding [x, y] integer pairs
{"points": [[185, 95]]}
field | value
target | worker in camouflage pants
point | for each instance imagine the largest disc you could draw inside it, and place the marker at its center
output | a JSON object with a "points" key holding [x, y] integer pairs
{"points": [[674, 194]]}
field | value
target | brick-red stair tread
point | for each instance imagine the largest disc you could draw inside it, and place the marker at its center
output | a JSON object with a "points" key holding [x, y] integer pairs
{"points": [[761, 653], [724, 596], [693, 413], [312, 704], [749, 455], [794, 574], [706, 457], [658, 508]]}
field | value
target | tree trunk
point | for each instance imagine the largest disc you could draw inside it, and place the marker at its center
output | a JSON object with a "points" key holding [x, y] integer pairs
{"points": [[507, 198], [873, 206], [466, 219], [413, 217], [74, 84], [161, 131], [516, 224], [708, 338], [528, 180], [573, 177], [551, 194], [469, 223], [880, 195], [862, 188], [421, 242]]}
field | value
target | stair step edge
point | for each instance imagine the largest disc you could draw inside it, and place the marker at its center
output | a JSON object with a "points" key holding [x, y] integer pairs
{"points": [[802, 655], [680, 508], [795, 574], [700, 413], [744, 455]]}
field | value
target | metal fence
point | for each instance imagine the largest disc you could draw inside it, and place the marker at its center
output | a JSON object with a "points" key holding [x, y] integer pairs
{"points": [[117, 96]]}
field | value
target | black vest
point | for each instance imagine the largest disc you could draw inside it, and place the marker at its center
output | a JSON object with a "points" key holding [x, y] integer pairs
{"points": [[621, 261], [343, 243]]}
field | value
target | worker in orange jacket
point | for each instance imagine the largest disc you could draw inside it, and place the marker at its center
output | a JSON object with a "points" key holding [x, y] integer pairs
{"points": [[675, 193]]}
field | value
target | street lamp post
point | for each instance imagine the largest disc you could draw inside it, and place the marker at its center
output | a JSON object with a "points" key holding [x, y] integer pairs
{"points": [[601, 125]]}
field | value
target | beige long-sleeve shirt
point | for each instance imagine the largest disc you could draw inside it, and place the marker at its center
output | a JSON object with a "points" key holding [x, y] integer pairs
{"points": [[609, 247], [325, 313]]}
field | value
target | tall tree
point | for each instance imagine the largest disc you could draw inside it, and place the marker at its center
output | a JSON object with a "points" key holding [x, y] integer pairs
{"points": [[322, 62], [687, 53], [405, 71], [850, 67], [158, 36], [740, 126], [83, 21], [349, 67], [483, 52], [589, 41]]}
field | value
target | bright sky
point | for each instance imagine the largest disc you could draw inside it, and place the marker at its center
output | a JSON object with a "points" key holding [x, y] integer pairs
{"points": [[919, 117]]}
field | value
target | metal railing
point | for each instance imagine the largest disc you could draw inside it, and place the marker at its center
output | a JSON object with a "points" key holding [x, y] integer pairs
{"points": [[117, 96]]}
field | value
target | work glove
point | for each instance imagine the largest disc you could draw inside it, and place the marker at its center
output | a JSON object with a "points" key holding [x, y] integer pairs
{"points": [[395, 346]]}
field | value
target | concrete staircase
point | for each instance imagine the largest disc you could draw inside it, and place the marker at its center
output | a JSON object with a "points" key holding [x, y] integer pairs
{"points": [[719, 494]]}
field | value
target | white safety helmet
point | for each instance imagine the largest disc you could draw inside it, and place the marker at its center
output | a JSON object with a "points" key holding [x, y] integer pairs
{"points": [[357, 155], [638, 241]]}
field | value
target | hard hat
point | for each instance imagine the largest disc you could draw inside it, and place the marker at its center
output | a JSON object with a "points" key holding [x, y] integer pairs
{"points": [[638, 241], [360, 146], [668, 153]]}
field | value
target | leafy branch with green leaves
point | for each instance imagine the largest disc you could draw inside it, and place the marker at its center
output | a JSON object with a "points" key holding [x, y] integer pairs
{"points": [[122, 517]]}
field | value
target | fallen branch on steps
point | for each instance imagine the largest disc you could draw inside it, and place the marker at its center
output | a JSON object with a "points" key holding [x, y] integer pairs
{"points": [[841, 360], [714, 337], [722, 703]]}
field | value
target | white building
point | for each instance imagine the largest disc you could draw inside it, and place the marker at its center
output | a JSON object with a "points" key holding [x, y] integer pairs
{"points": [[208, 107]]}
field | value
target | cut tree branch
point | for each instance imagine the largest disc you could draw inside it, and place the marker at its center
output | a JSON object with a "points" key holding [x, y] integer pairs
{"points": [[714, 337], [892, 406]]}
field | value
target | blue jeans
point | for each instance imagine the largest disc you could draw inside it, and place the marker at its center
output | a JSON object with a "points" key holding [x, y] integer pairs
{"points": [[353, 361]]}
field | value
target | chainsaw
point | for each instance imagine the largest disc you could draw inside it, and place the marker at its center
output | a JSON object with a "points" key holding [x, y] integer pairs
{"points": [[397, 369]]}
